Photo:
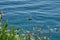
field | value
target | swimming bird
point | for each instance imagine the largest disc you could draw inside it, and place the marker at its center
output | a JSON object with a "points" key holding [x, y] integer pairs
{"points": [[29, 18]]}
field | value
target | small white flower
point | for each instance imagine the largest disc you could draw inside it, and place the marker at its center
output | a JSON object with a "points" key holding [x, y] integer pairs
{"points": [[8, 34], [24, 38], [22, 34], [32, 38], [39, 38], [27, 31], [17, 37], [15, 30], [44, 37], [0, 27], [11, 34], [51, 30]]}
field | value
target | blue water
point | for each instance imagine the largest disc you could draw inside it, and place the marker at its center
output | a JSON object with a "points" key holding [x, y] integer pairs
{"points": [[42, 12]]}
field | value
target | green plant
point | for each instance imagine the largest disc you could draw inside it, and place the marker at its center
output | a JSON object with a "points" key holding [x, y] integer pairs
{"points": [[13, 34]]}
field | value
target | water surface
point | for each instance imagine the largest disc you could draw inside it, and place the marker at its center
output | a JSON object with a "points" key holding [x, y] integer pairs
{"points": [[41, 11]]}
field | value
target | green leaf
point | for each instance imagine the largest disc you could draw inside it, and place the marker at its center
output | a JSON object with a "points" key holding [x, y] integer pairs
{"points": [[21, 37], [6, 24]]}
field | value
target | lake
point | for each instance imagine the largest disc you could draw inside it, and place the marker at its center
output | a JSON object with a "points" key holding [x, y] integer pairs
{"points": [[17, 12]]}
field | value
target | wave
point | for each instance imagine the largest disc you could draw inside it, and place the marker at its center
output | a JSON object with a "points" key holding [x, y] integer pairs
{"points": [[40, 11]]}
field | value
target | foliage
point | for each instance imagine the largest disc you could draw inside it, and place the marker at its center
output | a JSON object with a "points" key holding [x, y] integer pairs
{"points": [[13, 34]]}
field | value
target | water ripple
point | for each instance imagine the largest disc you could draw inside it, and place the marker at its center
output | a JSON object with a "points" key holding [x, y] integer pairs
{"points": [[41, 12]]}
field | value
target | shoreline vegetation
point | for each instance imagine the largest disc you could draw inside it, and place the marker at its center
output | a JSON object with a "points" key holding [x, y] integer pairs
{"points": [[13, 34]]}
